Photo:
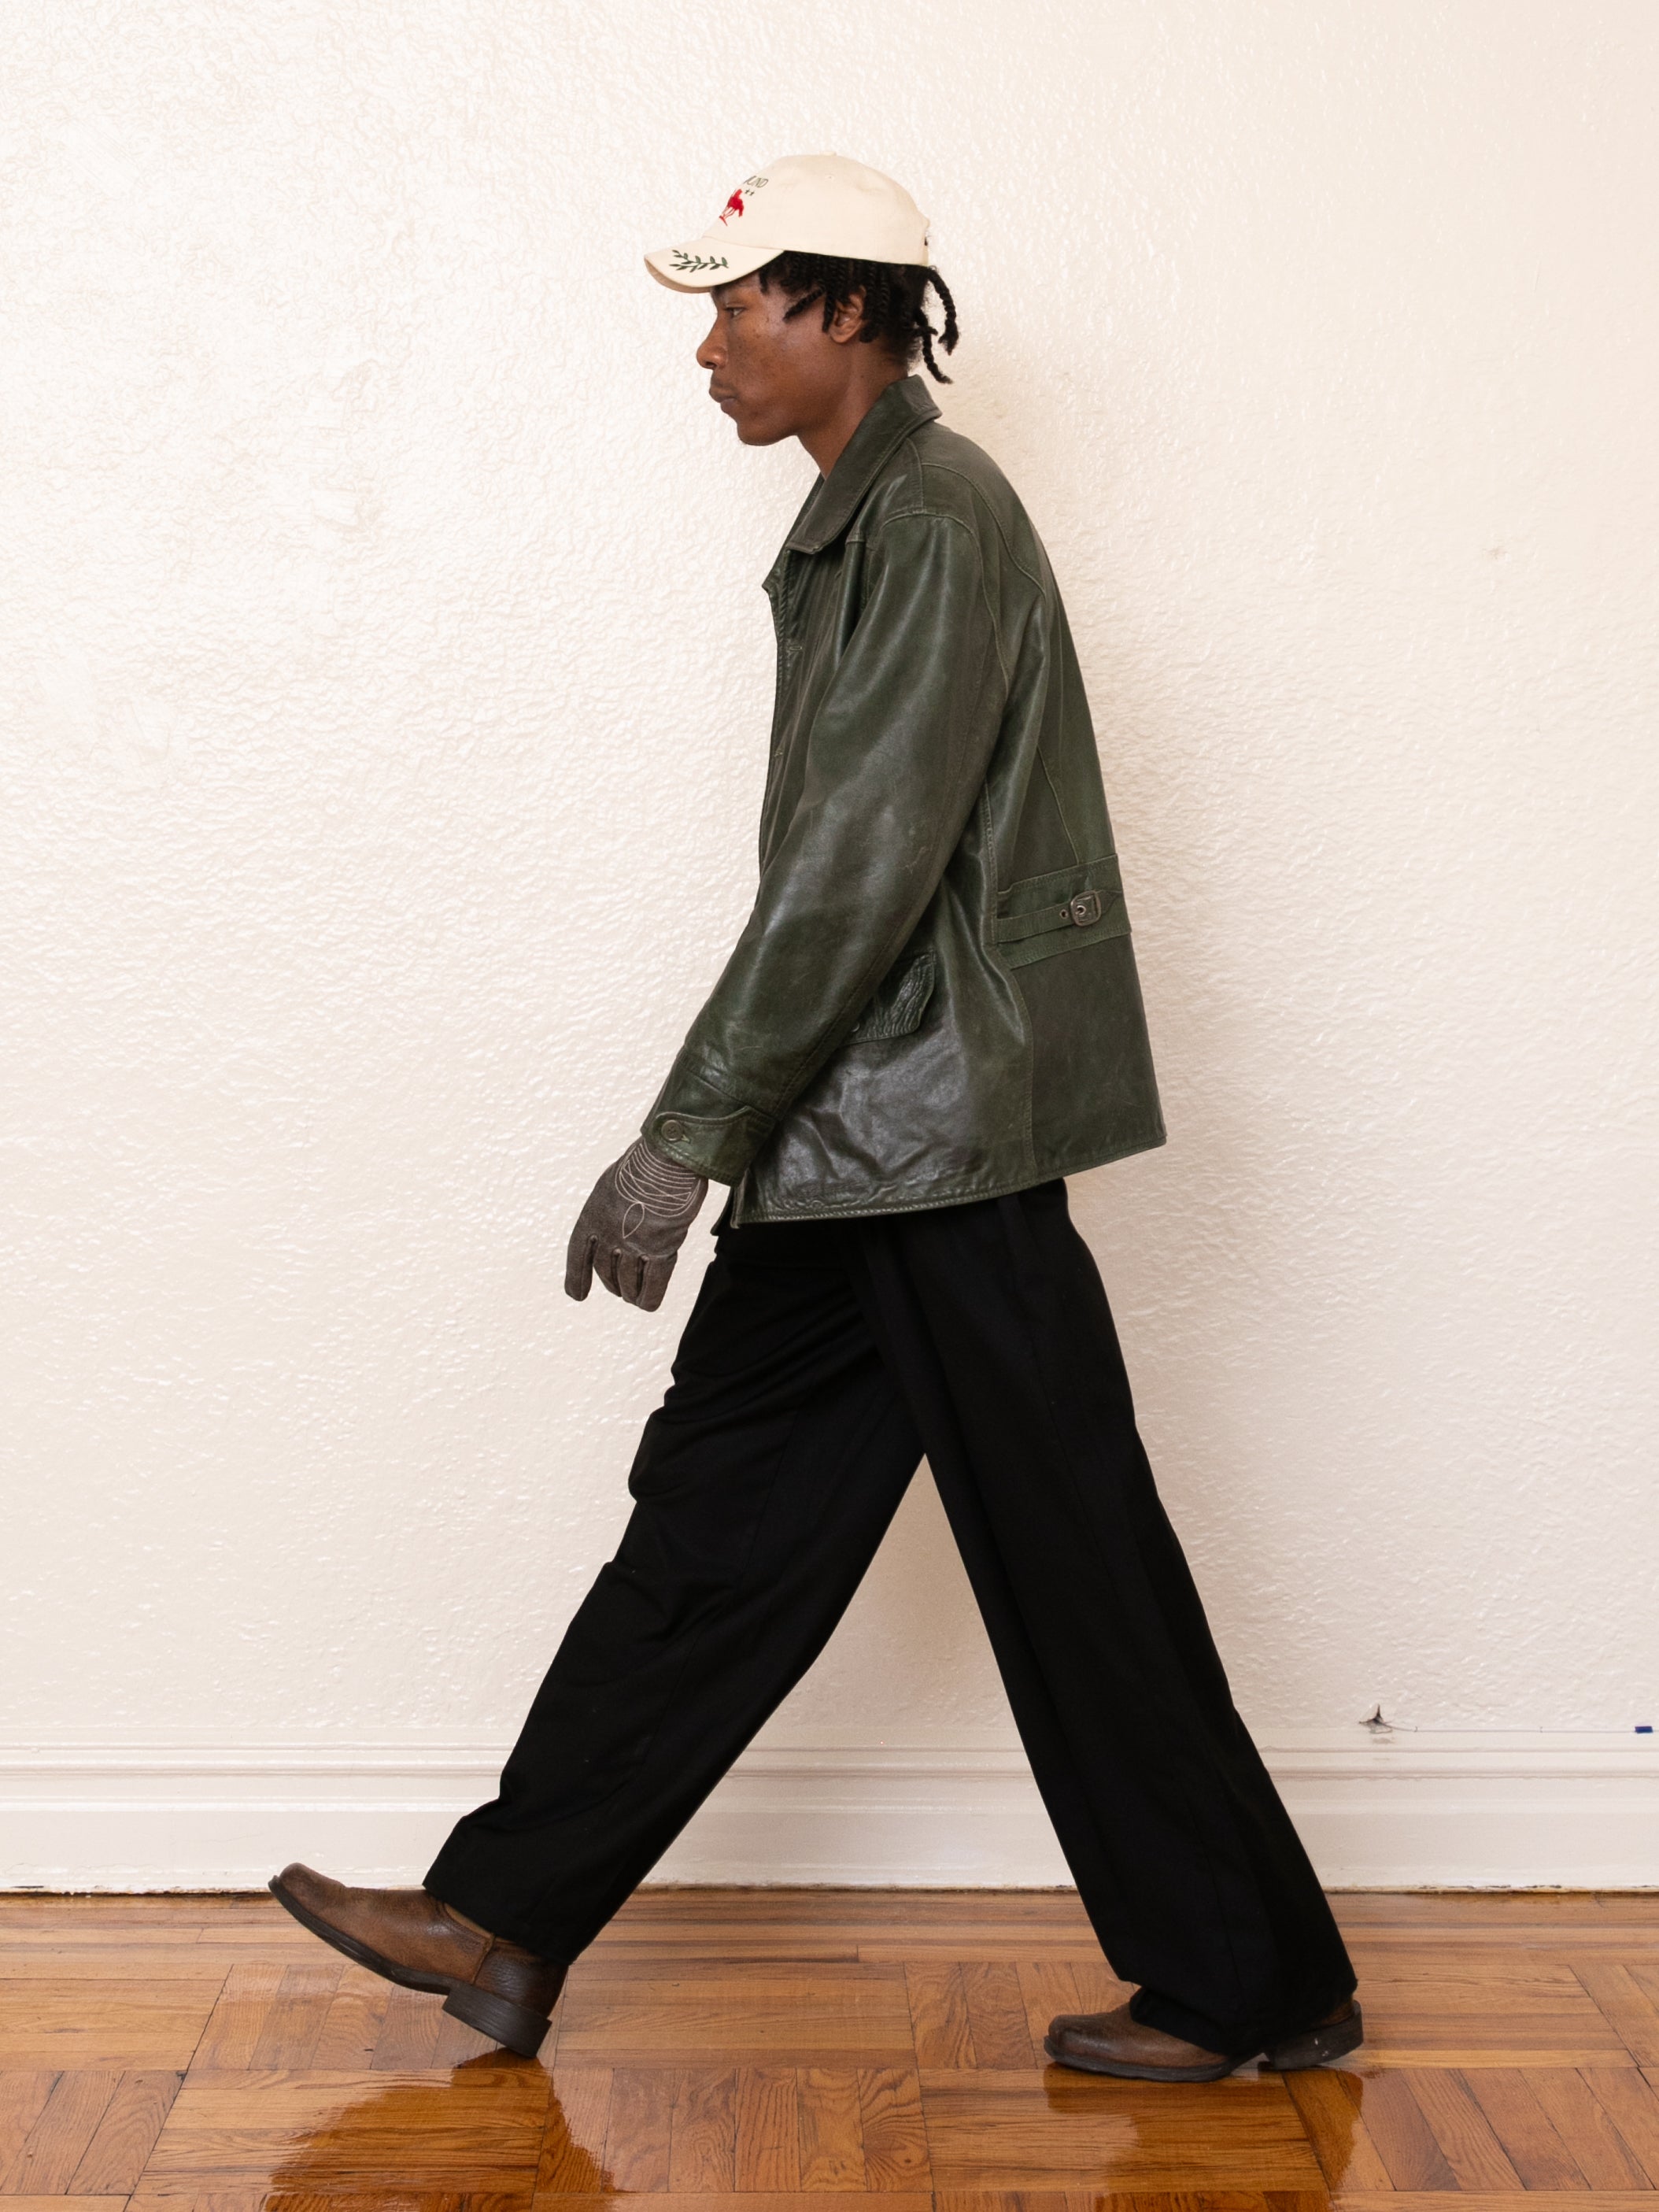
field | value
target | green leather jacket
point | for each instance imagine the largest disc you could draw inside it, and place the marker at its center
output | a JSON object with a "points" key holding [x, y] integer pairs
{"points": [[934, 999]]}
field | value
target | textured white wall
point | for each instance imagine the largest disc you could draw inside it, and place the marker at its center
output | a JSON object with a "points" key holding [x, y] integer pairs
{"points": [[384, 680]]}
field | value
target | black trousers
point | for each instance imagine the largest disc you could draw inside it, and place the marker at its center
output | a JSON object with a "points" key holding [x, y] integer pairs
{"points": [[820, 1362]]}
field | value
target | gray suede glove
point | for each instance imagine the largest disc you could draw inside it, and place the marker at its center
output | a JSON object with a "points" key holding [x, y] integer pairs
{"points": [[631, 1229]]}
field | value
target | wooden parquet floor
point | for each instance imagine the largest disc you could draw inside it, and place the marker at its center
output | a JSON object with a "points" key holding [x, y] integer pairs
{"points": [[758, 2051]]}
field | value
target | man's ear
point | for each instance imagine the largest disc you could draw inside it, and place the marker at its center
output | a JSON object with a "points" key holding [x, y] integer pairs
{"points": [[849, 318]]}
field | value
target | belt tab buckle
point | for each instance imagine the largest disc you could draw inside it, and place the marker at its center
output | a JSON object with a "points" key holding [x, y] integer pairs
{"points": [[1084, 908]]}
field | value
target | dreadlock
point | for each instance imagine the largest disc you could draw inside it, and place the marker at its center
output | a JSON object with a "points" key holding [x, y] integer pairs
{"points": [[894, 294]]}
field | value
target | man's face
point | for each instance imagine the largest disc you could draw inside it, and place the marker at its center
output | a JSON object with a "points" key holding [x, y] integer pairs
{"points": [[775, 378]]}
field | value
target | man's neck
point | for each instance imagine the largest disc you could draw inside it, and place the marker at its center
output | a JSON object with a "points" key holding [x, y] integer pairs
{"points": [[827, 441]]}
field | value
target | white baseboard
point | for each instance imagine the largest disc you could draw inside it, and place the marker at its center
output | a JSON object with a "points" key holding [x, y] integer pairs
{"points": [[1400, 1810]]}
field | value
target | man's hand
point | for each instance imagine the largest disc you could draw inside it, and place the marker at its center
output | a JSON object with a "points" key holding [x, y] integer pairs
{"points": [[631, 1229]]}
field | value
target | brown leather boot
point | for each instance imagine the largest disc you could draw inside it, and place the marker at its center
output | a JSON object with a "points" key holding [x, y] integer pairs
{"points": [[503, 1990], [1112, 2043]]}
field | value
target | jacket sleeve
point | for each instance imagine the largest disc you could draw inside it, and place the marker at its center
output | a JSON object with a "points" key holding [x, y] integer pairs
{"points": [[898, 752]]}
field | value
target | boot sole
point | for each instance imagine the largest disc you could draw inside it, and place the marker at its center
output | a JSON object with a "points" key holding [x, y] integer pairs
{"points": [[522, 2031], [1124, 2071], [1317, 2046], [1292, 2054]]}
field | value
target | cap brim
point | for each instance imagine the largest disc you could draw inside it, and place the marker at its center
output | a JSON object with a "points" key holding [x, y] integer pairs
{"points": [[706, 263]]}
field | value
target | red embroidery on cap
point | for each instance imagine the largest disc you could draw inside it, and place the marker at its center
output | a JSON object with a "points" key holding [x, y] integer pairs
{"points": [[733, 206]]}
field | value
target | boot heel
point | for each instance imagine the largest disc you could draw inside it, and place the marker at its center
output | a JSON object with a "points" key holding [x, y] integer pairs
{"points": [[1317, 2046], [515, 2025]]}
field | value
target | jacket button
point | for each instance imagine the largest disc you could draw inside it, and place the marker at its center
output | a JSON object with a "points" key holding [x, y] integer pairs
{"points": [[673, 1128]]}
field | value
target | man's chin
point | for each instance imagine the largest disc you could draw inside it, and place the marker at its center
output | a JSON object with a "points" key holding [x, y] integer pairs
{"points": [[754, 433]]}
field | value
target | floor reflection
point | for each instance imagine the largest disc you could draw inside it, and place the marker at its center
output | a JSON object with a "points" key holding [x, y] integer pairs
{"points": [[479, 2130], [1344, 2100], [1329, 2102]]}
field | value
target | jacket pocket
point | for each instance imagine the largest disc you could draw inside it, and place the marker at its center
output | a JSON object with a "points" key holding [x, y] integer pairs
{"points": [[899, 1002], [1060, 912]]}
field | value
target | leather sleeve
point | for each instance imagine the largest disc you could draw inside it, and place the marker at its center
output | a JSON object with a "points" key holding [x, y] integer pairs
{"points": [[898, 751]]}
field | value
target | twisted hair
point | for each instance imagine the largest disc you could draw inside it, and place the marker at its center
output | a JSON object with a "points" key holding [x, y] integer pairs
{"points": [[895, 313]]}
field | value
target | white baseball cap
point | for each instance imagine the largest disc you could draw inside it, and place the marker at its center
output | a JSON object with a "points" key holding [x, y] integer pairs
{"points": [[804, 203]]}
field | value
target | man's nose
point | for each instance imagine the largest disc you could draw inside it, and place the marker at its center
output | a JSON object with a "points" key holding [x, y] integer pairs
{"points": [[708, 353]]}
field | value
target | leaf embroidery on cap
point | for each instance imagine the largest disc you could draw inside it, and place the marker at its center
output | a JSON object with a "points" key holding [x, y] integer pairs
{"points": [[692, 265]]}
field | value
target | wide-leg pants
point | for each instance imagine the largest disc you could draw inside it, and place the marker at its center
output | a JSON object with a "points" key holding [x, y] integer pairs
{"points": [[821, 1361]]}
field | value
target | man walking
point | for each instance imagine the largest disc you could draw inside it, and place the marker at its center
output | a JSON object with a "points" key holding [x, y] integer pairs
{"points": [[930, 1019]]}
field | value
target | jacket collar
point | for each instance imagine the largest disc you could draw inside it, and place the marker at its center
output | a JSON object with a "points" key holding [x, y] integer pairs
{"points": [[901, 409]]}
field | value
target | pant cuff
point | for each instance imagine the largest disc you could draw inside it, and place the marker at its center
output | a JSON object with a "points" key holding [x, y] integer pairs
{"points": [[1155, 2010], [449, 1885]]}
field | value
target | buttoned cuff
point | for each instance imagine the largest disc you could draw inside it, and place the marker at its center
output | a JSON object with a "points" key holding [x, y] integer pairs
{"points": [[697, 1125]]}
